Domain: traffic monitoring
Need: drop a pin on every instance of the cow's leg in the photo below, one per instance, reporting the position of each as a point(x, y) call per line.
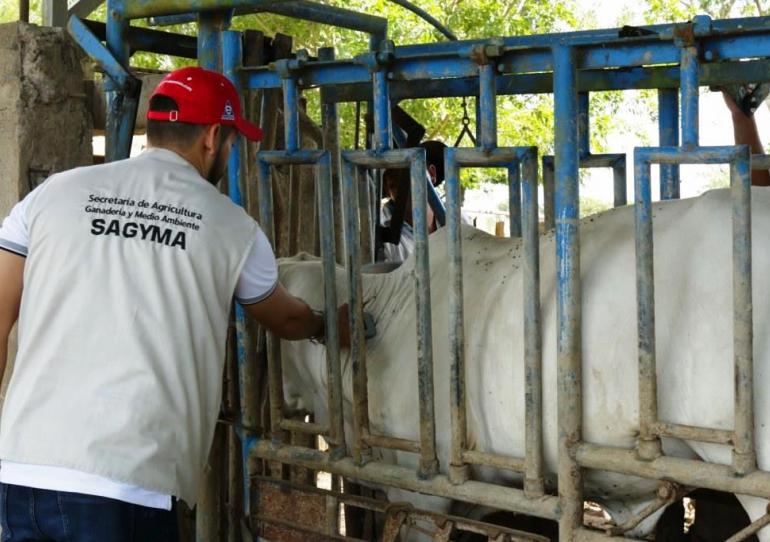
point(756, 508)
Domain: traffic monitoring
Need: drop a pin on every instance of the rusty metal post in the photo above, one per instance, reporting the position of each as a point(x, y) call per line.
point(744, 450)
point(533, 358)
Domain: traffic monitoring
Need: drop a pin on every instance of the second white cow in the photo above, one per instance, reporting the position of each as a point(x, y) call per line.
point(693, 294)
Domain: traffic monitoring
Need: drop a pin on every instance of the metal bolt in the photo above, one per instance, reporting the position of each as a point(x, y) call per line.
point(709, 55)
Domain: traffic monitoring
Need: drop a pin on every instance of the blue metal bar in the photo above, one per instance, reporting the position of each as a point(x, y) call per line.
point(458, 469)
point(744, 447)
point(121, 105)
point(291, 114)
point(514, 200)
point(435, 203)
point(487, 106)
point(689, 96)
point(534, 484)
point(699, 155)
point(648, 444)
point(137, 9)
point(381, 98)
point(210, 27)
point(568, 294)
point(232, 58)
point(350, 182)
point(668, 130)
point(428, 457)
point(120, 76)
point(584, 125)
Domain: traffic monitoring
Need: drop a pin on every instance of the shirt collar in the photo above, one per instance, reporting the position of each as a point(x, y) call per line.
point(167, 155)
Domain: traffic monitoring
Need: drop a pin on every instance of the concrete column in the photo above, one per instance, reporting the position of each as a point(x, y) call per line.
point(44, 121)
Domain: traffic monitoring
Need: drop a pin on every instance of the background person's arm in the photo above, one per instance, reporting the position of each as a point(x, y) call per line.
point(11, 280)
point(746, 133)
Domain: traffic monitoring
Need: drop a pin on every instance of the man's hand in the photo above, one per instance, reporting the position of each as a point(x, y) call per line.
point(746, 133)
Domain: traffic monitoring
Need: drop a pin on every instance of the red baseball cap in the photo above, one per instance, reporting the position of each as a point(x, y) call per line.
point(203, 97)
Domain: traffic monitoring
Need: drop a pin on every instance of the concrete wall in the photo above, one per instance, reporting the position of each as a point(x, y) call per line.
point(45, 125)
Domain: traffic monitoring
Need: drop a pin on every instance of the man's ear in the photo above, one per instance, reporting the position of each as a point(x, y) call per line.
point(210, 138)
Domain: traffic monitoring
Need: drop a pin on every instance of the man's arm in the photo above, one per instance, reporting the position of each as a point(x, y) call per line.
point(746, 133)
point(11, 280)
point(286, 316)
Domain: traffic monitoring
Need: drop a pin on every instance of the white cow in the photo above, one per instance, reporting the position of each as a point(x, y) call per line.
point(693, 287)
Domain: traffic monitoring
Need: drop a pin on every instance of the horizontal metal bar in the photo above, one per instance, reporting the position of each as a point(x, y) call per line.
point(136, 9)
point(500, 497)
point(760, 161)
point(392, 443)
point(601, 160)
point(291, 158)
point(676, 155)
point(154, 41)
point(496, 157)
point(691, 432)
point(689, 472)
point(308, 428)
point(717, 74)
point(398, 158)
point(474, 457)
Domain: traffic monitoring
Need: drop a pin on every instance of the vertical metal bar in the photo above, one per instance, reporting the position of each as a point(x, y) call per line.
point(333, 367)
point(668, 136)
point(619, 183)
point(689, 96)
point(648, 446)
point(584, 125)
point(330, 126)
point(290, 113)
point(381, 96)
point(119, 128)
point(458, 470)
point(514, 199)
point(428, 458)
point(533, 373)
point(275, 378)
point(549, 189)
point(568, 295)
point(361, 451)
point(488, 105)
point(232, 58)
point(744, 451)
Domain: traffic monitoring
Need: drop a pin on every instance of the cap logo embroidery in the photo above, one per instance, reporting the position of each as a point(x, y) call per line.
point(228, 113)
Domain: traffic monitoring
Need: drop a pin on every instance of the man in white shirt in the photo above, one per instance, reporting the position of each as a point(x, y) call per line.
point(121, 277)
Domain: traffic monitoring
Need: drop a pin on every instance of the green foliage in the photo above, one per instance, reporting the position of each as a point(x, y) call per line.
point(661, 11)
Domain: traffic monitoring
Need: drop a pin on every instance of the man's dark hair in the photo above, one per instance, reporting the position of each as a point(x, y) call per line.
point(434, 156)
point(164, 133)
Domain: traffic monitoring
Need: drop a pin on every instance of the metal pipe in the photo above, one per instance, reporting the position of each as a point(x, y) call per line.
point(24, 11)
point(297, 426)
point(121, 108)
point(689, 432)
point(137, 9)
point(688, 472)
point(381, 97)
point(568, 294)
point(428, 458)
point(210, 28)
point(424, 15)
point(648, 445)
point(329, 262)
point(291, 114)
point(475, 457)
point(434, 202)
point(232, 59)
point(619, 182)
point(533, 352)
point(584, 123)
point(487, 106)
point(689, 96)
point(458, 470)
point(143, 39)
point(514, 200)
point(392, 443)
point(668, 136)
point(485, 494)
point(361, 451)
point(549, 193)
point(744, 449)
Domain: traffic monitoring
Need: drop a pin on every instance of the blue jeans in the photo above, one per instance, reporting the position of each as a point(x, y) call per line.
point(31, 515)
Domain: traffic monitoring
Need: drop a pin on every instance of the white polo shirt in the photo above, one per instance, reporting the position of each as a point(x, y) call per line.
point(131, 267)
